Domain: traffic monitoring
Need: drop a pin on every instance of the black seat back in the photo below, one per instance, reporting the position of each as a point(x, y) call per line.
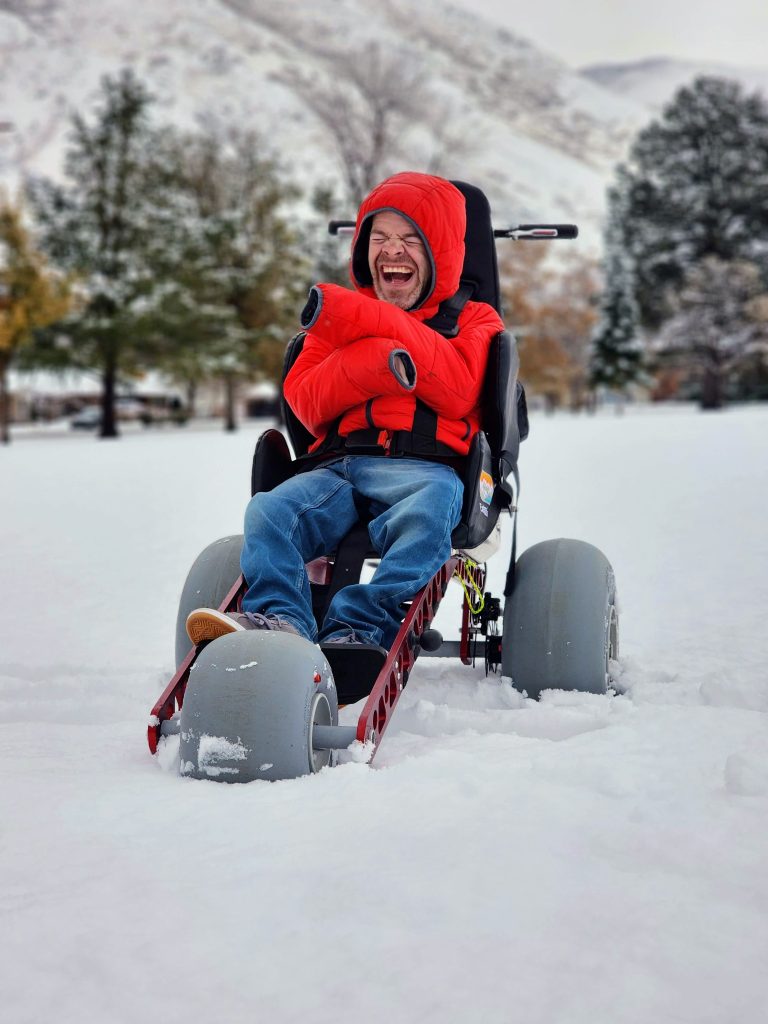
point(300, 437)
point(481, 268)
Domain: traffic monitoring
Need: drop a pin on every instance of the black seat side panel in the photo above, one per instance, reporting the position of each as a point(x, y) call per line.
point(301, 439)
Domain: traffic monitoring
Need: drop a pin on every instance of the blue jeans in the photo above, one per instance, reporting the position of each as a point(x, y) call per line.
point(414, 507)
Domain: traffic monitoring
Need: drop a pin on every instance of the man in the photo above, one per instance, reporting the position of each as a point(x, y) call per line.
point(393, 406)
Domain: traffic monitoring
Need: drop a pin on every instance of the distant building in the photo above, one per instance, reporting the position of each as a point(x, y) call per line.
point(41, 396)
point(262, 399)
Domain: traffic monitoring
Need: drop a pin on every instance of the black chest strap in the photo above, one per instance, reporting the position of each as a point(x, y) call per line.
point(421, 439)
point(446, 319)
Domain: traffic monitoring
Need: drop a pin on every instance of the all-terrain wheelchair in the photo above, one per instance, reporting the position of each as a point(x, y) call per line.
point(264, 705)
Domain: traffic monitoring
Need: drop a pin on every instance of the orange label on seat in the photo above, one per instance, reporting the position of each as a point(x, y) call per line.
point(486, 487)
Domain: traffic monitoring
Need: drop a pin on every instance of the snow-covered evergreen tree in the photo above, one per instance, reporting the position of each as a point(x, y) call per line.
point(224, 247)
point(181, 245)
point(96, 227)
point(695, 185)
point(717, 323)
point(616, 356)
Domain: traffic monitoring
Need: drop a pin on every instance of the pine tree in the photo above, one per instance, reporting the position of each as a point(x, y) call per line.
point(97, 225)
point(223, 246)
point(31, 297)
point(695, 186)
point(616, 356)
point(717, 323)
point(182, 245)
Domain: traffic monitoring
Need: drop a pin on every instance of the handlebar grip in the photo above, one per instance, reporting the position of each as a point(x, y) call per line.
point(563, 230)
point(338, 227)
point(538, 231)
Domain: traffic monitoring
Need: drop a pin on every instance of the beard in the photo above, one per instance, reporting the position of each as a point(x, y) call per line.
point(404, 294)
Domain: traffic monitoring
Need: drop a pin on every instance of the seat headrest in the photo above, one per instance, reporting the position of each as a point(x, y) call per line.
point(481, 268)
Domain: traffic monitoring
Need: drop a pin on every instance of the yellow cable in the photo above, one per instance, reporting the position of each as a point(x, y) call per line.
point(481, 604)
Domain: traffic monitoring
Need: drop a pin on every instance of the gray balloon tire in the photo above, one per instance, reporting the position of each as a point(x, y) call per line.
point(560, 622)
point(250, 707)
point(208, 582)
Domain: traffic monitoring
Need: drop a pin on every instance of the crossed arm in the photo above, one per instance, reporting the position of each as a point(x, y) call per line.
point(350, 355)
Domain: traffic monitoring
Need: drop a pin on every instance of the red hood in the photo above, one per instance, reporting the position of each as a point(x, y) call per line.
point(438, 210)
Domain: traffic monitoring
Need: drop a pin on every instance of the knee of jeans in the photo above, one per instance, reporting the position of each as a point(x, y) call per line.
point(261, 511)
point(408, 526)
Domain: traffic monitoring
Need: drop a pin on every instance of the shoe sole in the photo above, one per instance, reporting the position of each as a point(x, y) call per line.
point(209, 625)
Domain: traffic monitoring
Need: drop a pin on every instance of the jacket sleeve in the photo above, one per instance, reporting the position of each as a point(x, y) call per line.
point(326, 381)
point(449, 371)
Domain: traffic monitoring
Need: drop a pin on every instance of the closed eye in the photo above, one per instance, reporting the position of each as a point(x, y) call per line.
point(409, 241)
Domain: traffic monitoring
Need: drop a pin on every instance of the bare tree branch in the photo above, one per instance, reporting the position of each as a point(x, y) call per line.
point(32, 12)
point(371, 103)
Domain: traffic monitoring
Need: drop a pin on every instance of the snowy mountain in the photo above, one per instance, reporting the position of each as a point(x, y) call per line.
point(541, 138)
point(654, 81)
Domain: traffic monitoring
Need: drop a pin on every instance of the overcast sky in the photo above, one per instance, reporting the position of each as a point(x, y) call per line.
point(603, 31)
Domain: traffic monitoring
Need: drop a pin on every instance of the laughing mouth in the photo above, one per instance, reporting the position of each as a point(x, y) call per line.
point(396, 273)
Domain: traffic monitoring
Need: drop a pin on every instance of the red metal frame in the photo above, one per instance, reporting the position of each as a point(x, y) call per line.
point(377, 712)
point(172, 697)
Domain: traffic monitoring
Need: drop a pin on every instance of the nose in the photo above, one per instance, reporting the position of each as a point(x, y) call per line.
point(393, 245)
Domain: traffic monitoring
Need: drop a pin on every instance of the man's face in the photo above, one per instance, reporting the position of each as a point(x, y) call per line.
point(397, 260)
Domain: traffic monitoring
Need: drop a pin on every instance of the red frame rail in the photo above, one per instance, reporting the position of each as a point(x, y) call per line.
point(377, 712)
point(172, 698)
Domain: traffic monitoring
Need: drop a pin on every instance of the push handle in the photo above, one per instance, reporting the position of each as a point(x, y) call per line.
point(341, 227)
point(542, 232)
point(538, 231)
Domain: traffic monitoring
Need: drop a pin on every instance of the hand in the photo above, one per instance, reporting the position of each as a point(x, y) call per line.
point(403, 368)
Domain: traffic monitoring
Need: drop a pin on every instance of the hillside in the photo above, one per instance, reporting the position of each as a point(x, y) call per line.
point(541, 138)
point(653, 82)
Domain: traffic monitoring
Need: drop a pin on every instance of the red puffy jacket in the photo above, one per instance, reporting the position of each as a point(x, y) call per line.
point(344, 371)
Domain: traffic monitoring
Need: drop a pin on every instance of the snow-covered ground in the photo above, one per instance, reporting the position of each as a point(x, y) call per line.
point(581, 860)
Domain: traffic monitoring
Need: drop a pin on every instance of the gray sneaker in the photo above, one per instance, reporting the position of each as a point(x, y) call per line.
point(209, 623)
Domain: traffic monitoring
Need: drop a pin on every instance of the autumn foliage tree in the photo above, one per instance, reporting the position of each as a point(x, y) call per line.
point(551, 308)
point(32, 296)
